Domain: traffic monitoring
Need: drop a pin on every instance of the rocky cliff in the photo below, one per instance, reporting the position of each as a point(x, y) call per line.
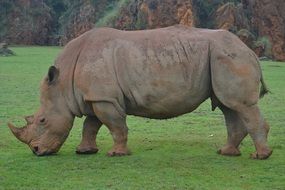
point(259, 23)
point(25, 22)
point(143, 14)
point(268, 19)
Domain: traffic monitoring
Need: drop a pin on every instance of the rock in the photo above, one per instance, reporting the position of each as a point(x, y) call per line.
point(264, 58)
point(225, 17)
point(39, 22)
point(236, 19)
point(3, 45)
point(268, 19)
point(262, 18)
point(82, 15)
point(80, 20)
point(4, 51)
point(231, 17)
point(143, 14)
point(28, 22)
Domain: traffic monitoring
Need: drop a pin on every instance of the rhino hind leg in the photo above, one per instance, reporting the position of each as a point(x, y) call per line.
point(258, 129)
point(91, 127)
point(236, 76)
point(247, 120)
point(236, 132)
point(116, 123)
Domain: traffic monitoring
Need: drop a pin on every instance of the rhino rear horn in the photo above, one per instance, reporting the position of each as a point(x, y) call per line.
point(18, 132)
point(29, 119)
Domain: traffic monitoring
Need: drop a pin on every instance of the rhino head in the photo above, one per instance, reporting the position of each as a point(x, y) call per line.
point(49, 127)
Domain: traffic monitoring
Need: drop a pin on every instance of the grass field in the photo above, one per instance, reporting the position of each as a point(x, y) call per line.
point(177, 153)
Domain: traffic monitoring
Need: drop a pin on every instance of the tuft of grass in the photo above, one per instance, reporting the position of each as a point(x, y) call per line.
point(177, 153)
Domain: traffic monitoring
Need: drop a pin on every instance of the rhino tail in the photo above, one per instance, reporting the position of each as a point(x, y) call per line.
point(263, 90)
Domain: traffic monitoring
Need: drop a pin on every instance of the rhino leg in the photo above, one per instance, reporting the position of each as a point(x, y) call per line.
point(116, 123)
point(236, 76)
point(91, 127)
point(236, 132)
point(258, 130)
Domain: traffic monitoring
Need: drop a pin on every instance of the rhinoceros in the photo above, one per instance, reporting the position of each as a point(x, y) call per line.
point(106, 74)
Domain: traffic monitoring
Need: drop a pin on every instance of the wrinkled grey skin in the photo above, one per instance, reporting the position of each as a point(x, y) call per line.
point(107, 74)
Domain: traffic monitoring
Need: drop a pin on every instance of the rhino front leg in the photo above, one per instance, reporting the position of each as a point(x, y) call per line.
point(236, 132)
point(91, 127)
point(116, 123)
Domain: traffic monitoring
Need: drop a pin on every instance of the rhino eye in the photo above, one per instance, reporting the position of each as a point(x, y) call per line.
point(42, 120)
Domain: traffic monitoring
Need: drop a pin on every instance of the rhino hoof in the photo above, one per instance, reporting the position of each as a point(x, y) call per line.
point(229, 151)
point(261, 156)
point(87, 151)
point(118, 153)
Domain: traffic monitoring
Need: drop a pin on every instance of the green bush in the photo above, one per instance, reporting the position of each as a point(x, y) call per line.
point(247, 34)
point(265, 43)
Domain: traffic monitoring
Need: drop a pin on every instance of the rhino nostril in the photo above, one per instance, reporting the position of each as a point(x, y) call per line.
point(36, 149)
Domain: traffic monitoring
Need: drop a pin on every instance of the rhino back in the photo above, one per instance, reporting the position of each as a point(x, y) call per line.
point(158, 73)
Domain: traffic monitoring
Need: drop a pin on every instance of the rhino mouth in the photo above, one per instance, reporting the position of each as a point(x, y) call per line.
point(37, 152)
point(48, 153)
point(43, 151)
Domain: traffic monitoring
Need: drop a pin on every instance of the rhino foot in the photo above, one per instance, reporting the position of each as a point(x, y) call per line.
point(113, 153)
point(229, 151)
point(89, 150)
point(262, 155)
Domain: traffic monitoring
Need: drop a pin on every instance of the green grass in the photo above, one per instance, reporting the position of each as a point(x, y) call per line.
point(177, 153)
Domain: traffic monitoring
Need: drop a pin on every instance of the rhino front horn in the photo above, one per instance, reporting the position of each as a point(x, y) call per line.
point(18, 132)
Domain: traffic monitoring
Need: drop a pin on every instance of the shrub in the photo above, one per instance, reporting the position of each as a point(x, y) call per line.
point(265, 43)
point(245, 32)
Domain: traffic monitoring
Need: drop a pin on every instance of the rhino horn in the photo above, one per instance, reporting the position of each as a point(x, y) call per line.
point(29, 119)
point(18, 132)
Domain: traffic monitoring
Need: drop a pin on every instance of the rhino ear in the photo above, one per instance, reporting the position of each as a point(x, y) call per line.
point(52, 74)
